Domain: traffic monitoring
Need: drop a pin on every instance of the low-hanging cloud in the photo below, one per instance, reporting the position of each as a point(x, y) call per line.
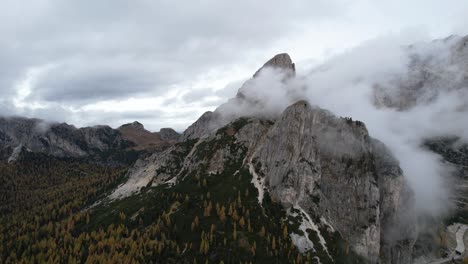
point(349, 84)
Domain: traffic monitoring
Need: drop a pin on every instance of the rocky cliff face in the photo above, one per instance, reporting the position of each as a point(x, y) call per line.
point(332, 169)
point(327, 167)
point(398, 223)
point(204, 125)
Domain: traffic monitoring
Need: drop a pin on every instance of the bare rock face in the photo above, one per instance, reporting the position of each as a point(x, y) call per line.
point(333, 169)
point(203, 126)
point(145, 140)
point(326, 166)
point(157, 168)
point(280, 61)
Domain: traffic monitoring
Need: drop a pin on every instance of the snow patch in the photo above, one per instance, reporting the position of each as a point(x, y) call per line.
point(460, 249)
point(172, 181)
point(310, 224)
point(325, 222)
point(258, 182)
point(15, 153)
point(303, 243)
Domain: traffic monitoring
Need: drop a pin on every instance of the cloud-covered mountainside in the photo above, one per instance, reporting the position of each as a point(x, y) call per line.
point(404, 94)
point(353, 161)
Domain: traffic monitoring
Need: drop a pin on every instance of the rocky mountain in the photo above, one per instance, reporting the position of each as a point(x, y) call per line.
point(327, 173)
point(244, 183)
point(169, 134)
point(143, 139)
point(64, 140)
point(58, 139)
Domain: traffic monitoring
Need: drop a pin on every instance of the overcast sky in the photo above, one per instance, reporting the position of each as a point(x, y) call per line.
point(164, 63)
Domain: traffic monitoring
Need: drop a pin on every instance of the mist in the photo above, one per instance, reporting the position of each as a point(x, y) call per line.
point(404, 88)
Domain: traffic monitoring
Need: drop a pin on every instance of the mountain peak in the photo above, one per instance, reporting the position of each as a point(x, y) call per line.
point(280, 61)
point(169, 134)
point(135, 125)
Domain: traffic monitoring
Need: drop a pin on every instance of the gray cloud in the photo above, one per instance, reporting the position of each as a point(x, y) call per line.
point(95, 51)
point(107, 48)
point(90, 80)
point(348, 85)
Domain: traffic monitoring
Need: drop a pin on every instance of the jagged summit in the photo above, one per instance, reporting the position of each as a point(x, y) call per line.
point(281, 61)
point(136, 125)
point(135, 132)
point(241, 104)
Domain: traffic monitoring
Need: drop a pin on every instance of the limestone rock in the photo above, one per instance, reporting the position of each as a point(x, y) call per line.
point(280, 61)
point(325, 165)
point(207, 123)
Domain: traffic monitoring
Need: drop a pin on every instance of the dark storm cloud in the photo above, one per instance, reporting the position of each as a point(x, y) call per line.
point(114, 49)
point(87, 52)
point(89, 80)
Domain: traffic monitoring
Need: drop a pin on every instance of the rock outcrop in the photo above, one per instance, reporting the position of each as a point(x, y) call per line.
point(280, 61)
point(169, 134)
point(145, 140)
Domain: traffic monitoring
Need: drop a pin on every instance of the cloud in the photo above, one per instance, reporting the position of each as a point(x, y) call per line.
point(347, 85)
point(90, 80)
point(112, 51)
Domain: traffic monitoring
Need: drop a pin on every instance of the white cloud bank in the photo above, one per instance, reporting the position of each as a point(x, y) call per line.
point(349, 84)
